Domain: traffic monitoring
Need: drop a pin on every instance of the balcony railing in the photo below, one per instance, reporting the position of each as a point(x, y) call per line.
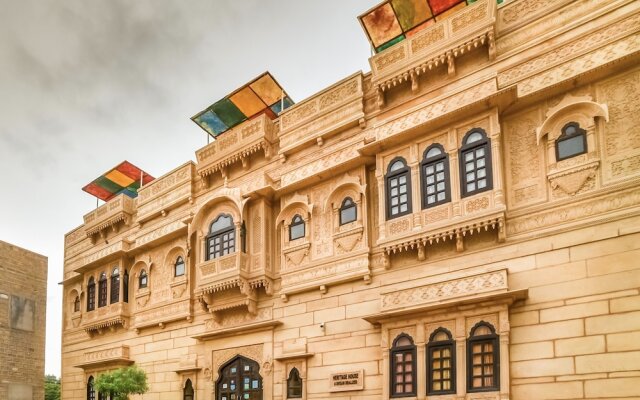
point(237, 144)
point(109, 215)
point(166, 193)
point(108, 317)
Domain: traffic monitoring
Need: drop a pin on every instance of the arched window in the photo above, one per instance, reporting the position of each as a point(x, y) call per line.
point(441, 363)
point(483, 359)
point(398, 185)
point(125, 286)
point(102, 290)
point(187, 392)
point(91, 391)
point(178, 267)
point(435, 176)
point(239, 379)
point(115, 285)
point(294, 385)
point(296, 229)
point(91, 295)
point(348, 211)
point(221, 239)
point(572, 142)
point(475, 163)
point(143, 280)
point(76, 304)
point(403, 367)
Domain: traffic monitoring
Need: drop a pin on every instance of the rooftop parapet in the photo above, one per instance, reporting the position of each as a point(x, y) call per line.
point(237, 144)
point(166, 193)
point(318, 117)
point(438, 44)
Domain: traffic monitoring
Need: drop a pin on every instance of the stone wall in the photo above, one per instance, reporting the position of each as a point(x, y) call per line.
point(23, 298)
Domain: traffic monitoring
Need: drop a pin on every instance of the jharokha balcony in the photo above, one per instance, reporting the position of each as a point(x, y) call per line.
point(110, 215)
point(107, 317)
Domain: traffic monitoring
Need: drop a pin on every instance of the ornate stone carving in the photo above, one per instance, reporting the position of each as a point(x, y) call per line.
point(573, 212)
point(574, 181)
point(439, 291)
point(578, 65)
point(568, 51)
point(476, 205)
point(347, 241)
point(221, 357)
point(238, 318)
point(399, 226)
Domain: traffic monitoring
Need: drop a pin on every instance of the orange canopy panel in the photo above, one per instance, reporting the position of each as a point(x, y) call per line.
point(124, 178)
point(263, 95)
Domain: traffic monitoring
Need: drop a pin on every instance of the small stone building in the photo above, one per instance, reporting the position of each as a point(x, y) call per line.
point(460, 223)
point(23, 302)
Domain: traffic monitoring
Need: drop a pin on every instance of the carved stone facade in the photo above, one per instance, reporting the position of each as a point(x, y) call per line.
point(534, 248)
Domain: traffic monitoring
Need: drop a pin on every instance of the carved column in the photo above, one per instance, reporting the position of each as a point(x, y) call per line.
point(496, 164)
point(505, 328)
point(455, 183)
point(386, 373)
point(382, 204)
point(416, 205)
point(461, 358)
point(421, 365)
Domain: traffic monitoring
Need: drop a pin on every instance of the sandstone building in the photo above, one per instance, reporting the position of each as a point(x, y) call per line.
point(462, 222)
point(23, 302)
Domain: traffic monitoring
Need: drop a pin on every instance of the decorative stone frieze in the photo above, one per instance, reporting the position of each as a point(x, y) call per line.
point(161, 315)
point(106, 253)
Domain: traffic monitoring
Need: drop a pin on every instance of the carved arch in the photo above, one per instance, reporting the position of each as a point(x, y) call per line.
point(227, 200)
point(298, 204)
point(348, 186)
point(570, 108)
point(173, 254)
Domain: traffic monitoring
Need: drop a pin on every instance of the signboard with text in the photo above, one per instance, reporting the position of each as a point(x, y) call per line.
point(344, 381)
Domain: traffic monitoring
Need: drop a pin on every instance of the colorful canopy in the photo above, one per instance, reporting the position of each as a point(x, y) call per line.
point(262, 95)
point(392, 21)
point(124, 178)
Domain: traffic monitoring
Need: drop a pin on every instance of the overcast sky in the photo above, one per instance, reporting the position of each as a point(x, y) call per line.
point(86, 84)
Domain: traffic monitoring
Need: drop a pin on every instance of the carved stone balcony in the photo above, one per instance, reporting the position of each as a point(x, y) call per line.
point(109, 215)
point(166, 193)
point(436, 45)
point(106, 253)
point(108, 317)
point(313, 120)
point(237, 144)
point(111, 357)
point(230, 282)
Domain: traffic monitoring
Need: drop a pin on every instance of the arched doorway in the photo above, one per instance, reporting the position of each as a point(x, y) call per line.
point(239, 379)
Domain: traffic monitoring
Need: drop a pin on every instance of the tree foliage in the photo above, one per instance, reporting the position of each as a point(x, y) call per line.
point(122, 382)
point(51, 387)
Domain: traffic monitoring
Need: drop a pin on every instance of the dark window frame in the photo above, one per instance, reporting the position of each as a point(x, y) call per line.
point(433, 161)
point(188, 392)
point(493, 339)
point(145, 276)
point(114, 295)
point(225, 373)
point(210, 239)
point(76, 304)
point(564, 136)
point(390, 175)
point(91, 294)
point(434, 345)
point(125, 286)
point(408, 349)
point(102, 290)
point(295, 221)
point(179, 261)
point(294, 383)
point(344, 206)
point(91, 391)
point(472, 147)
